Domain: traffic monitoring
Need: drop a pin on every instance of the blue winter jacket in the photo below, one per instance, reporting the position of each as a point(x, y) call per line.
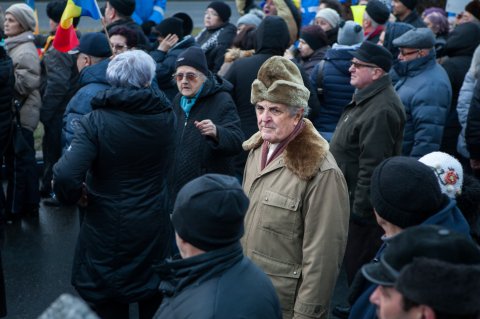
point(337, 91)
point(92, 80)
point(449, 217)
point(149, 10)
point(425, 91)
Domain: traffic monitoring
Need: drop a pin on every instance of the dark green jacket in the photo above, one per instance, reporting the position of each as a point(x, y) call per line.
point(369, 131)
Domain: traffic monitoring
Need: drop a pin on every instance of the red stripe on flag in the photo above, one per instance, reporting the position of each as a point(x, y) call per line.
point(65, 39)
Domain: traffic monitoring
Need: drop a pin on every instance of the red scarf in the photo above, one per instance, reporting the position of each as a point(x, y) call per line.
point(281, 146)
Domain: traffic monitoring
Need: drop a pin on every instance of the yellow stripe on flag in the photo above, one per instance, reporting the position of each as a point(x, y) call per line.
point(71, 11)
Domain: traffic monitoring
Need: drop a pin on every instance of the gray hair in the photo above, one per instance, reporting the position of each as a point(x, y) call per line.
point(133, 68)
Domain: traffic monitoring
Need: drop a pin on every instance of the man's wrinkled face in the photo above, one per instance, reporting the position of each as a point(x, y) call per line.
point(275, 122)
point(361, 74)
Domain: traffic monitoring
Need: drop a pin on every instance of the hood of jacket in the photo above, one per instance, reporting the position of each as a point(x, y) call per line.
point(130, 100)
point(414, 67)
point(450, 217)
point(96, 73)
point(271, 36)
point(303, 155)
point(186, 42)
point(392, 31)
point(463, 40)
point(180, 273)
point(214, 84)
point(12, 42)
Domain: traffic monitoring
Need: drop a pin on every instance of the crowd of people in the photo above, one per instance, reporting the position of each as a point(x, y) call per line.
point(237, 170)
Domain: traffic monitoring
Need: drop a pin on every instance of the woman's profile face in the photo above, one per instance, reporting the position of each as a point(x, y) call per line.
point(211, 19)
point(12, 26)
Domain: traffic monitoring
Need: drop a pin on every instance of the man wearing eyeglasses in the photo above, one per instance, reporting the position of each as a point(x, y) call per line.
point(425, 90)
point(369, 131)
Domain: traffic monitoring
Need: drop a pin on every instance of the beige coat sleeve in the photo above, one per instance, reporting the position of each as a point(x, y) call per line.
point(326, 215)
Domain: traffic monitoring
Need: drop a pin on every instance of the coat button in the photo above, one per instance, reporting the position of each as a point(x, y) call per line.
point(292, 206)
point(294, 272)
point(266, 199)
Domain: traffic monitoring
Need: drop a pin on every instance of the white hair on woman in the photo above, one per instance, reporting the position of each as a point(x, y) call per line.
point(133, 68)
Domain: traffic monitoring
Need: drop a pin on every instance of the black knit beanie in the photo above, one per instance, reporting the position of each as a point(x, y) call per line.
point(187, 22)
point(410, 4)
point(124, 7)
point(170, 26)
point(377, 11)
point(209, 211)
point(405, 192)
point(473, 7)
point(194, 57)
point(223, 10)
point(55, 10)
point(314, 36)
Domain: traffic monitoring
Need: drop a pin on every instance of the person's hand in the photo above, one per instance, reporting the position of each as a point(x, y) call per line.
point(83, 201)
point(207, 128)
point(167, 43)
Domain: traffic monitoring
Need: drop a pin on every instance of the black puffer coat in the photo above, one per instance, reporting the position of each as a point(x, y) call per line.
point(195, 154)
point(122, 147)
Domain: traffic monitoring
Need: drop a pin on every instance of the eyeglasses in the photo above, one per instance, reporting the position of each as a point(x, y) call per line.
point(119, 47)
point(358, 65)
point(190, 76)
point(404, 53)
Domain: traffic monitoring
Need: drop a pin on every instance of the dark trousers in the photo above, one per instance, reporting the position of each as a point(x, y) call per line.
point(363, 242)
point(52, 149)
point(116, 310)
point(22, 176)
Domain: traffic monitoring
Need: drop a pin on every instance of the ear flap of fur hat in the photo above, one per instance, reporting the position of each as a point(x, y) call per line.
point(279, 81)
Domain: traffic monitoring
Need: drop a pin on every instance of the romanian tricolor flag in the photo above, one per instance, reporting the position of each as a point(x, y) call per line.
point(66, 37)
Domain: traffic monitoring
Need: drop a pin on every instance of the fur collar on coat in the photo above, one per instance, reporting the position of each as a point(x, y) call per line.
point(304, 155)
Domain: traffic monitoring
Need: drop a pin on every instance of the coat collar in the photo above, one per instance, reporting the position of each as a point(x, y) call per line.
point(304, 154)
point(372, 89)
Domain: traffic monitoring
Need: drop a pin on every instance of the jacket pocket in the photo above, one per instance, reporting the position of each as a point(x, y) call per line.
point(285, 278)
point(279, 213)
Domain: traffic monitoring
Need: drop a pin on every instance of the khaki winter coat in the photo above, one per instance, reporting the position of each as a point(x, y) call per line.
point(26, 64)
point(296, 225)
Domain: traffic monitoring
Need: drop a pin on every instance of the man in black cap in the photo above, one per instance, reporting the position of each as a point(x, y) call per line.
point(404, 11)
point(425, 90)
point(59, 75)
point(92, 61)
point(369, 131)
point(119, 13)
point(213, 279)
point(427, 272)
point(374, 19)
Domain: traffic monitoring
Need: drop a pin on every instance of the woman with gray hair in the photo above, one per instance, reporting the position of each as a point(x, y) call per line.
point(122, 152)
point(23, 196)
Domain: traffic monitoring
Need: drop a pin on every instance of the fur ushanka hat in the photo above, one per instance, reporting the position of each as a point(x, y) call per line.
point(280, 81)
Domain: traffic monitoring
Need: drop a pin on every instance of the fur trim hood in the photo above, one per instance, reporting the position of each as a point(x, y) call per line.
point(234, 54)
point(304, 155)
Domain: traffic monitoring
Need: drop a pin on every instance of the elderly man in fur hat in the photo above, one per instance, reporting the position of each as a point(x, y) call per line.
point(297, 221)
